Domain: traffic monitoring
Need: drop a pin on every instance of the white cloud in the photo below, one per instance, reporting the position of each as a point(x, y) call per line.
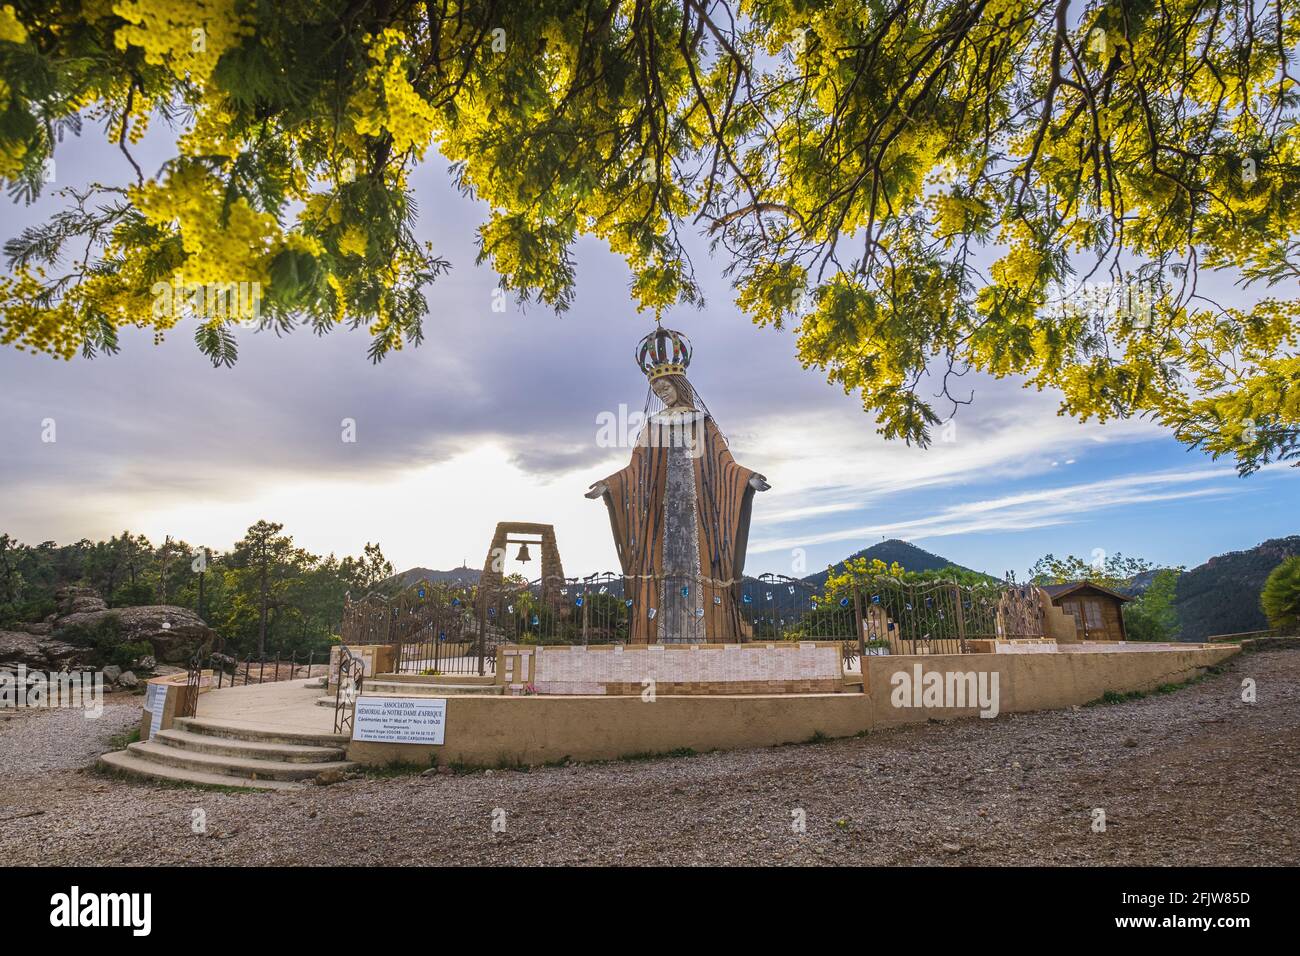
point(1032, 509)
point(833, 462)
point(435, 516)
point(826, 465)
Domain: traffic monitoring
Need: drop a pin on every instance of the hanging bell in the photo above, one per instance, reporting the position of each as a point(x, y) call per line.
point(523, 554)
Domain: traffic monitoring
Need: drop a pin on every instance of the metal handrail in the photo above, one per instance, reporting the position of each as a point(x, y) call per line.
point(352, 674)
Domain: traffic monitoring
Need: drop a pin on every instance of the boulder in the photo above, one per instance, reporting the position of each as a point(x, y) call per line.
point(128, 679)
point(19, 647)
point(69, 636)
point(327, 777)
point(74, 600)
point(112, 672)
point(41, 653)
point(173, 632)
point(59, 653)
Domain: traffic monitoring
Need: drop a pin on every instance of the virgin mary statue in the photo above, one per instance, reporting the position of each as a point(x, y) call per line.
point(680, 511)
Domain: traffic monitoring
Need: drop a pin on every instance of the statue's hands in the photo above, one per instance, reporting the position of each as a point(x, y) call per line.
point(759, 482)
point(598, 490)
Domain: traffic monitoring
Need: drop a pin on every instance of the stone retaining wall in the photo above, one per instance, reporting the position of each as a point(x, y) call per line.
point(503, 731)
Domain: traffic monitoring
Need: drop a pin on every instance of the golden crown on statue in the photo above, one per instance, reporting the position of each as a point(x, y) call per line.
point(663, 352)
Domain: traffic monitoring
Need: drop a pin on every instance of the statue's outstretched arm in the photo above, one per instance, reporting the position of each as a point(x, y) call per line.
point(756, 481)
point(598, 490)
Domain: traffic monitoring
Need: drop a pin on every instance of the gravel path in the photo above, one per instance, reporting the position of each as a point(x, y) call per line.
point(32, 741)
point(1192, 777)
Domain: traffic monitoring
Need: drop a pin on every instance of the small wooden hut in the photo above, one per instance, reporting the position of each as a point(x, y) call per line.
point(1097, 610)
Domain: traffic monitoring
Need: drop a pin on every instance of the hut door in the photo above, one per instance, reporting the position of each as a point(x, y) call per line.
point(1096, 626)
point(1072, 608)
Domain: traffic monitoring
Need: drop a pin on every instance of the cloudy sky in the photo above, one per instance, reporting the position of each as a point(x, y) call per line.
point(495, 418)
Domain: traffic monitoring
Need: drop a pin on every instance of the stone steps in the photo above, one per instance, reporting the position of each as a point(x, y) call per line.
point(124, 762)
point(253, 768)
point(246, 749)
point(393, 688)
point(213, 753)
point(457, 679)
point(217, 728)
point(422, 685)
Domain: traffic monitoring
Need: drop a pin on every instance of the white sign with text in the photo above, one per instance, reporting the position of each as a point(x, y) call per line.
point(400, 720)
point(157, 700)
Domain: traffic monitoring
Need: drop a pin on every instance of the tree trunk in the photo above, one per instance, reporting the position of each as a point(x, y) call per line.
point(261, 626)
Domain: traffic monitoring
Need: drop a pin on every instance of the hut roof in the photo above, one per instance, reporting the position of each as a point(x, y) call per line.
point(1055, 591)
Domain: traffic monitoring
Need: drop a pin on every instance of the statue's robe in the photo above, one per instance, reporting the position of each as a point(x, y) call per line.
point(680, 516)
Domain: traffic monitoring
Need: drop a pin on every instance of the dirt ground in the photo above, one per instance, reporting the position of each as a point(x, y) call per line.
point(1192, 777)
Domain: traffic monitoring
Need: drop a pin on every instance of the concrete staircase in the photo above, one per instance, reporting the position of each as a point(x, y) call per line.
point(445, 685)
point(421, 685)
point(210, 753)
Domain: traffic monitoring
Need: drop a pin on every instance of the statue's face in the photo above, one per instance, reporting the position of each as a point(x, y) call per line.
point(666, 391)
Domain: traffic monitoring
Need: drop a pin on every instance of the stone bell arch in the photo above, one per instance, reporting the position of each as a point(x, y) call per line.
point(524, 533)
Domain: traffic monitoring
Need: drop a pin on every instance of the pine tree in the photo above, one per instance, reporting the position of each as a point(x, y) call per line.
point(265, 554)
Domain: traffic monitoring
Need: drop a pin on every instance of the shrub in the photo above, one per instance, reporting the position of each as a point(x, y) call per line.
point(1152, 616)
point(133, 594)
point(1280, 597)
point(126, 655)
point(104, 635)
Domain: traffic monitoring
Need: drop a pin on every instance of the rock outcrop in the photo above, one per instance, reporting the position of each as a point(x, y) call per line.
point(173, 632)
point(74, 600)
point(69, 636)
point(41, 653)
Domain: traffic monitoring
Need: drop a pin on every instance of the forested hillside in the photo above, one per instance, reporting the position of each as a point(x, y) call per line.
point(1221, 596)
point(264, 593)
point(895, 551)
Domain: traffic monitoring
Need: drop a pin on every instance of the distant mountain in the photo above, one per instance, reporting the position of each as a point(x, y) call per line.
point(460, 575)
point(1221, 596)
point(1139, 583)
point(894, 550)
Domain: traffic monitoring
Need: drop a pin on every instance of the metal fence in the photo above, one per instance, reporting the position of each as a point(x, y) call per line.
point(942, 618)
point(436, 629)
point(229, 671)
point(232, 672)
point(454, 629)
